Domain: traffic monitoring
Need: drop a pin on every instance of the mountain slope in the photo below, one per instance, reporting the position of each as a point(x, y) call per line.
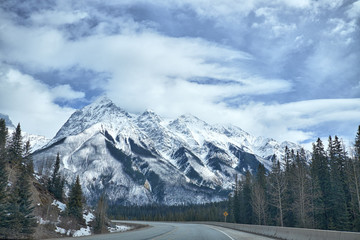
point(143, 159)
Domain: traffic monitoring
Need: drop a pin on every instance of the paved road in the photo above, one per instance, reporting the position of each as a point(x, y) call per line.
point(178, 231)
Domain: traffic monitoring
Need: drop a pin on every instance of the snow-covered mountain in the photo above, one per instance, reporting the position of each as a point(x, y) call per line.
point(36, 141)
point(143, 159)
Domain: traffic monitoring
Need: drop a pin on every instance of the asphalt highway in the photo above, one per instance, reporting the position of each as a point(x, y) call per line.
point(177, 231)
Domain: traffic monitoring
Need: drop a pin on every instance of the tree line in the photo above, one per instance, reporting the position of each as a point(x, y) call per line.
point(17, 220)
point(16, 211)
point(322, 194)
point(194, 212)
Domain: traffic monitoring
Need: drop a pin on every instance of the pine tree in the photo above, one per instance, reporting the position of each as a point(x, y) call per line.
point(338, 199)
point(302, 191)
point(258, 196)
point(248, 212)
point(56, 183)
point(16, 147)
point(320, 174)
point(353, 171)
point(3, 137)
point(100, 215)
point(236, 201)
point(318, 217)
point(289, 198)
point(27, 159)
point(74, 205)
point(3, 178)
point(21, 222)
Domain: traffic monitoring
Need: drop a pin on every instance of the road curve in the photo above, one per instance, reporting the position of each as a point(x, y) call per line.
point(177, 231)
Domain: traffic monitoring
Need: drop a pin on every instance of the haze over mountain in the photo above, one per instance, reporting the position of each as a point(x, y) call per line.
point(143, 159)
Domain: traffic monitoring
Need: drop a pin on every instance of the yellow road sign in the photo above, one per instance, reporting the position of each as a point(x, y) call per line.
point(225, 214)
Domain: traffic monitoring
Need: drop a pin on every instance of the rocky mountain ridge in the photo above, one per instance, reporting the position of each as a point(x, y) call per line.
point(145, 159)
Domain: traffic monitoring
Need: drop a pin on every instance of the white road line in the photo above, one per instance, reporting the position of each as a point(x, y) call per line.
point(223, 233)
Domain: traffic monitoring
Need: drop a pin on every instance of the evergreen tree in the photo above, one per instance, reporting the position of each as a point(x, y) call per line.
point(289, 179)
point(3, 137)
point(236, 201)
point(27, 159)
point(21, 222)
point(258, 196)
point(229, 208)
point(353, 171)
point(3, 178)
point(75, 205)
point(16, 147)
point(338, 199)
point(320, 186)
point(318, 217)
point(56, 183)
point(302, 191)
point(248, 212)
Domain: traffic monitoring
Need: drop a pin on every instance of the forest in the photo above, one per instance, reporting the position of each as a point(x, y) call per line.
point(17, 178)
point(321, 192)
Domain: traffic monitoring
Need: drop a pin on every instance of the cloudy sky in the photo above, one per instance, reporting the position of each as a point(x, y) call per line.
point(286, 69)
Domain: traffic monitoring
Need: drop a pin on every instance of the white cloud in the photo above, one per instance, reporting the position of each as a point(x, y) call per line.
point(354, 10)
point(296, 3)
point(148, 69)
point(289, 121)
point(38, 47)
point(30, 102)
point(272, 22)
point(65, 92)
point(341, 27)
point(56, 18)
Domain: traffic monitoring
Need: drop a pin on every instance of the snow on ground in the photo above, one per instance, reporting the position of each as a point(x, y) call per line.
point(40, 220)
point(60, 230)
point(82, 232)
point(119, 228)
point(88, 216)
point(60, 205)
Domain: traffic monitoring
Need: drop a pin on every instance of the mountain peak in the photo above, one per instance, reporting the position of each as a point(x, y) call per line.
point(103, 100)
point(149, 112)
point(100, 102)
point(190, 118)
point(102, 110)
point(8, 122)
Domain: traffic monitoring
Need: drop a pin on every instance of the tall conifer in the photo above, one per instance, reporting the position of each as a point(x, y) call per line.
point(21, 221)
point(3, 178)
point(339, 188)
point(56, 182)
point(75, 205)
point(16, 147)
point(302, 191)
point(248, 212)
point(320, 185)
